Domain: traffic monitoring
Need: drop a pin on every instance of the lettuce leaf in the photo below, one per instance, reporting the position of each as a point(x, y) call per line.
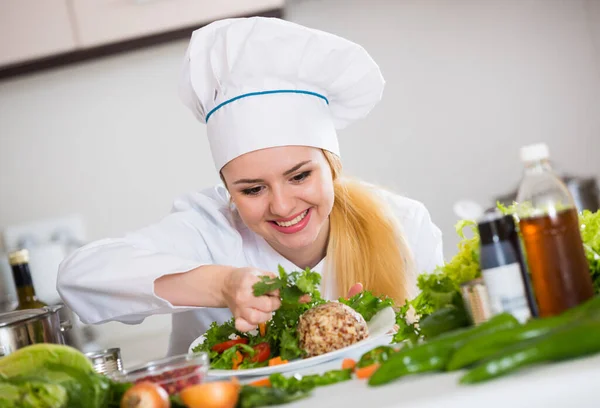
point(442, 287)
point(589, 224)
point(367, 304)
point(61, 368)
point(34, 394)
point(217, 333)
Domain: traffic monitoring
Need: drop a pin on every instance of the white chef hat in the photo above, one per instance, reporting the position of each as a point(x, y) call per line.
point(264, 82)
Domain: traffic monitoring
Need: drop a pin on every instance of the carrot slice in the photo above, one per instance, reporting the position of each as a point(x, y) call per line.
point(348, 364)
point(366, 372)
point(263, 382)
point(262, 329)
point(277, 361)
point(237, 360)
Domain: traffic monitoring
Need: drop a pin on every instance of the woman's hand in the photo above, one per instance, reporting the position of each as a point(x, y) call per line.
point(248, 310)
point(354, 290)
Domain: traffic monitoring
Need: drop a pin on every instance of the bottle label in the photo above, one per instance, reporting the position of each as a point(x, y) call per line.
point(507, 291)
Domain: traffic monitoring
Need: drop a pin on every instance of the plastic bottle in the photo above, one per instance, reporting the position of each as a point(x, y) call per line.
point(549, 226)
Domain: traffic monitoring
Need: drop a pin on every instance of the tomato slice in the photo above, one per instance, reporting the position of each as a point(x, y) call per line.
point(262, 353)
point(221, 347)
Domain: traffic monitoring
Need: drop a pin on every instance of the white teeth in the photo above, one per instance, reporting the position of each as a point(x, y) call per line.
point(294, 221)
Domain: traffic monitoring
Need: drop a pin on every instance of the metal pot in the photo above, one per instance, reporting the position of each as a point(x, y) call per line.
point(23, 328)
point(585, 193)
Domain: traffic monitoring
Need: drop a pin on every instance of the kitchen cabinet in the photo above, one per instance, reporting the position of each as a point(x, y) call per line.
point(105, 21)
point(33, 29)
point(42, 34)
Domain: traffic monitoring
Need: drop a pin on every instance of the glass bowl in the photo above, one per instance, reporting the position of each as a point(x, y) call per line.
point(172, 373)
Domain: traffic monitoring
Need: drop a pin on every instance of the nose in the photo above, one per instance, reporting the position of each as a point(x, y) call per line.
point(282, 203)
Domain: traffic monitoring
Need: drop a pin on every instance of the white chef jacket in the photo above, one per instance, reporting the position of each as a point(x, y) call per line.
point(113, 279)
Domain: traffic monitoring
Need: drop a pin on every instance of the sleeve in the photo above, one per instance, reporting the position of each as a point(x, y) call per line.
point(423, 236)
point(113, 279)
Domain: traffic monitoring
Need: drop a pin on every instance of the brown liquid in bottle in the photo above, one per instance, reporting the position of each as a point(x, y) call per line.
point(556, 259)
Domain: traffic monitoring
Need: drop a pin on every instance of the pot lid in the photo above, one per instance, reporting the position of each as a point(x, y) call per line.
point(19, 316)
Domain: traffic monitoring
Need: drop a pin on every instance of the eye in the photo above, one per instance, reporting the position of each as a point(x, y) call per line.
point(252, 191)
point(302, 176)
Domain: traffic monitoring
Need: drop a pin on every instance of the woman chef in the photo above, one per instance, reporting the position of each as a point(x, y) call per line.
point(272, 94)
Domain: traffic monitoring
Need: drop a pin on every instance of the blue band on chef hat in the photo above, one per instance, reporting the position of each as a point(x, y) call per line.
point(219, 106)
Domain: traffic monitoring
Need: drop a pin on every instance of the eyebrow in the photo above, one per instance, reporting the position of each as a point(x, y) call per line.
point(285, 173)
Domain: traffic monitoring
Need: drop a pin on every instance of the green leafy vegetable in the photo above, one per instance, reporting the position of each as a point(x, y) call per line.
point(408, 331)
point(589, 224)
point(367, 304)
point(441, 288)
point(282, 329)
point(253, 397)
point(267, 285)
point(31, 358)
point(32, 394)
point(308, 382)
point(224, 361)
point(52, 375)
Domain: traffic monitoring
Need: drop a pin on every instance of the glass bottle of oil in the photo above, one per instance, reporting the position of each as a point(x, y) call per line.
point(19, 262)
point(549, 225)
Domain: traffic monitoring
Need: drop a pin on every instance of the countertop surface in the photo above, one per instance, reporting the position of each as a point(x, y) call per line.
point(574, 383)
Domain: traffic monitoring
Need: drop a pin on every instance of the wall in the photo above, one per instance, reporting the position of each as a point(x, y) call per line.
point(468, 83)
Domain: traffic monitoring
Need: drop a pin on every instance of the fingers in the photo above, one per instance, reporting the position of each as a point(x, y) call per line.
point(249, 310)
point(304, 299)
point(266, 304)
point(355, 289)
point(242, 325)
point(254, 317)
point(259, 273)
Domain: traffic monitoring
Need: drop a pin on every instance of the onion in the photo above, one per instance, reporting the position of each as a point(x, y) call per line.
point(146, 395)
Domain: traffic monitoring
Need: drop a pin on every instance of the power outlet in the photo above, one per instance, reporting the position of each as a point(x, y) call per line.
point(68, 230)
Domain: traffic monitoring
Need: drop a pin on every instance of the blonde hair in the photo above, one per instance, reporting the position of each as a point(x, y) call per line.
point(366, 244)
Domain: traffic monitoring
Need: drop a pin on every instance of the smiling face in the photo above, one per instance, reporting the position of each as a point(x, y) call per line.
point(285, 195)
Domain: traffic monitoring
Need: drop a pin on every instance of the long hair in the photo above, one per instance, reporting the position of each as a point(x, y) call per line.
point(366, 244)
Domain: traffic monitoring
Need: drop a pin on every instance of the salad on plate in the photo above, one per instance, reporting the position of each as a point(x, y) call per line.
point(305, 326)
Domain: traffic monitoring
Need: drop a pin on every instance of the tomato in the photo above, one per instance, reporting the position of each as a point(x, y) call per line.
point(145, 395)
point(262, 353)
point(221, 347)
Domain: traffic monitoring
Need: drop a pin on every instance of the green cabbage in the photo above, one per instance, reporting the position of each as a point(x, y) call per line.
point(32, 395)
point(52, 375)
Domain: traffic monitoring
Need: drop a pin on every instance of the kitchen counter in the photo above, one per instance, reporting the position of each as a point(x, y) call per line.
point(573, 383)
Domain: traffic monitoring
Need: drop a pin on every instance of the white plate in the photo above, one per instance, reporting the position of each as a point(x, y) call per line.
point(380, 325)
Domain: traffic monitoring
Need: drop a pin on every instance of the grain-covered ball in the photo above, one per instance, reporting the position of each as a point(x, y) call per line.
point(330, 326)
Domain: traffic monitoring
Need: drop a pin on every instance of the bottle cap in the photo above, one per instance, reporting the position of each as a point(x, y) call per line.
point(494, 227)
point(534, 152)
point(18, 257)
